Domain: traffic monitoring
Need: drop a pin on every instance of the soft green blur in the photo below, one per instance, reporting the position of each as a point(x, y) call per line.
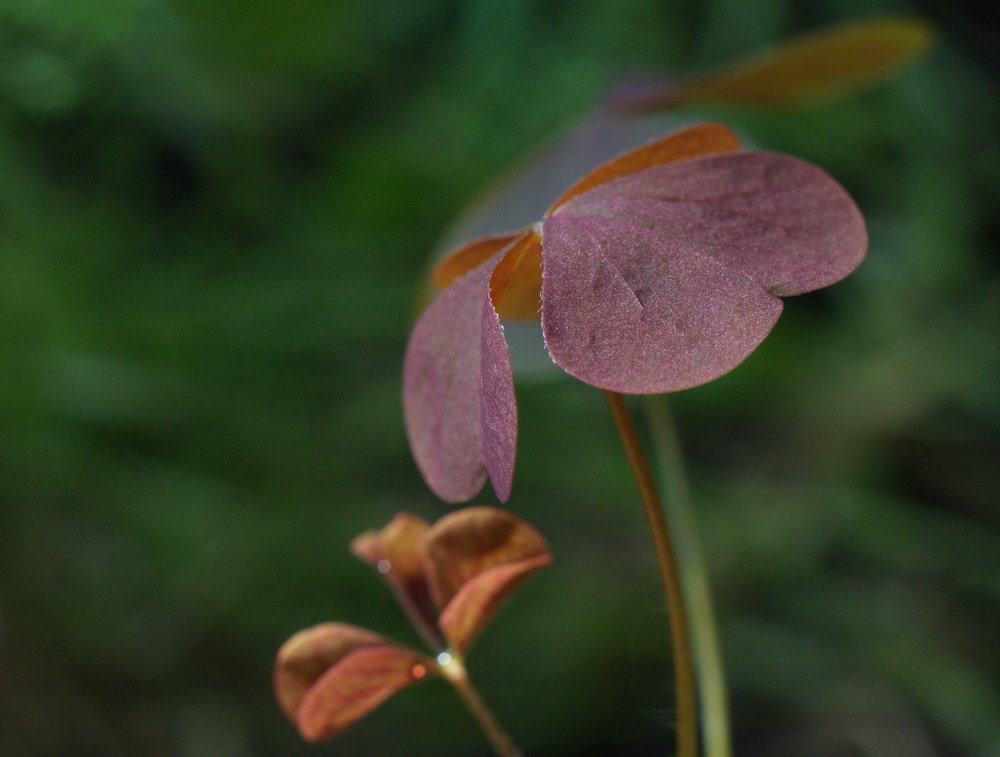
point(213, 220)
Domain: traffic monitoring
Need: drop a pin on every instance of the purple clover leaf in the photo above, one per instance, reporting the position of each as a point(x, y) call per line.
point(656, 272)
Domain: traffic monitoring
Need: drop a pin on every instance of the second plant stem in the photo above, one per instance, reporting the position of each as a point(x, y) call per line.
point(453, 670)
point(684, 678)
point(709, 666)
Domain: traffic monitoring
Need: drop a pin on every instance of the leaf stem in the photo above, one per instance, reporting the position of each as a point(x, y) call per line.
point(709, 666)
point(684, 680)
point(428, 632)
point(453, 669)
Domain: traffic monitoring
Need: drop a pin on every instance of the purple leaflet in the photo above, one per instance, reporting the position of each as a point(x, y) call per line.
point(781, 220)
point(627, 310)
point(497, 406)
point(458, 392)
point(658, 281)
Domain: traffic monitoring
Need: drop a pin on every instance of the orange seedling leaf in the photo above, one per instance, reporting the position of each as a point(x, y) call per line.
point(355, 686)
point(328, 677)
point(479, 599)
point(470, 542)
point(815, 65)
point(470, 256)
point(310, 653)
point(693, 142)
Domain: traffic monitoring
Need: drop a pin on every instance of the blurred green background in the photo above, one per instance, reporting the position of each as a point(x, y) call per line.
point(213, 218)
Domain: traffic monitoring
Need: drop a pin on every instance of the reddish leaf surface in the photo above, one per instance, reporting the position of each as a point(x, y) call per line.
point(497, 405)
point(665, 279)
point(780, 220)
point(626, 310)
point(480, 598)
point(310, 653)
point(693, 142)
point(355, 686)
point(456, 339)
point(397, 553)
point(469, 542)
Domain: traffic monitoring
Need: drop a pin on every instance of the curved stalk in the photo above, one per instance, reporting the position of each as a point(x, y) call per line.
point(709, 667)
point(684, 680)
point(452, 667)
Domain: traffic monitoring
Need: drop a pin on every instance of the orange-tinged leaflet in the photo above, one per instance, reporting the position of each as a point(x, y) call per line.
point(814, 65)
point(470, 256)
point(516, 284)
point(517, 281)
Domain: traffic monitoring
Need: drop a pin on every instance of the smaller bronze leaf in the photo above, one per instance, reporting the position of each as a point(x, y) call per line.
point(479, 599)
point(309, 654)
point(469, 542)
point(694, 142)
point(355, 686)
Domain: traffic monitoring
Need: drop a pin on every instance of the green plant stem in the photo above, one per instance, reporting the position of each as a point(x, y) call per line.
point(684, 679)
point(709, 667)
point(455, 673)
